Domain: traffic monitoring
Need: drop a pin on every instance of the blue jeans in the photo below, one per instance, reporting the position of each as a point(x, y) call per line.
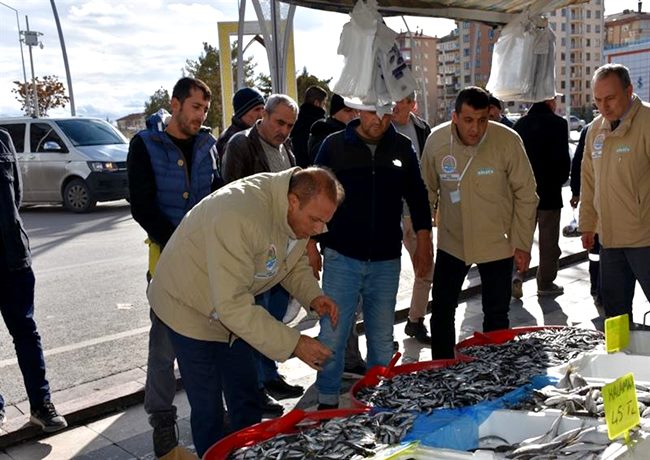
point(346, 280)
point(17, 308)
point(275, 300)
point(620, 268)
point(210, 369)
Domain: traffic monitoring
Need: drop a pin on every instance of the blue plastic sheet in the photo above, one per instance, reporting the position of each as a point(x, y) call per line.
point(458, 428)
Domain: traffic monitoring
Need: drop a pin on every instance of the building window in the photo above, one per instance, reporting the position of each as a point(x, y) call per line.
point(562, 84)
point(588, 14)
point(467, 66)
point(466, 38)
point(467, 79)
point(588, 28)
point(587, 84)
point(562, 56)
point(563, 41)
point(465, 25)
point(588, 56)
point(564, 12)
point(466, 52)
point(553, 25)
point(588, 42)
point(597, 27)
point(598, 14)
point(563, 71)
point(563, 27)
point(553, 13)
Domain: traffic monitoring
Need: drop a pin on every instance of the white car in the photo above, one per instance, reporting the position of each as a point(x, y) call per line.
point(576, 124)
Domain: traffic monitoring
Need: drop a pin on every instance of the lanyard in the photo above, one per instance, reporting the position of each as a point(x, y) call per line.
point(471, 158)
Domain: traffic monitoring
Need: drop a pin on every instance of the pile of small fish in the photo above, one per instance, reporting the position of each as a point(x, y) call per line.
point(551, 346)
point(459, 385)
point(354, 437)
point(497, 370)
point(574, 395)
point(577, 443)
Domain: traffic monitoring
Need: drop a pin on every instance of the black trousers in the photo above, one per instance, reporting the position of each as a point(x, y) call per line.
point(448, 277)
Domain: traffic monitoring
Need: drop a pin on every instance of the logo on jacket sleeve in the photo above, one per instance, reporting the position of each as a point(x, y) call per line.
point(597, 146)
point(270, 264)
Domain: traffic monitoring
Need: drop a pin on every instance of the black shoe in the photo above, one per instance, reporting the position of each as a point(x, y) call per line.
point(355, 372)
point(280, 389)
point(165, 432)
point(270, 407)
point(323, 406)
point(48, 418)
point(417, 330)
point(3, 417)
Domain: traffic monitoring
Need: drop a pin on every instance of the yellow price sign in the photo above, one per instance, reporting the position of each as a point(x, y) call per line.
point(621, 406)
point(617, 333)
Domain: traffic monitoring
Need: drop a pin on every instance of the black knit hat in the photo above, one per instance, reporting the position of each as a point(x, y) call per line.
point(336, 104)
point(245, 99)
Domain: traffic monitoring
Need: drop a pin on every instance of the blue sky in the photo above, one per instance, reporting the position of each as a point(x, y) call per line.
point(121, 51)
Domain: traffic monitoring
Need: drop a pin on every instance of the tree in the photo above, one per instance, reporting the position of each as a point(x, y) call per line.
point(50, 91)
point(207, 68)
point(305, 80)
point(264, 84)
point(158, 100)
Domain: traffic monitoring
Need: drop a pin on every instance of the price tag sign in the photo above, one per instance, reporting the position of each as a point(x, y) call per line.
point(621, 406)
point(617, 333)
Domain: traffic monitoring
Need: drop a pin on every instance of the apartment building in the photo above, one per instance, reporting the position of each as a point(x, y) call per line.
point(580, 37)
point(420, 53)
point(628, 43)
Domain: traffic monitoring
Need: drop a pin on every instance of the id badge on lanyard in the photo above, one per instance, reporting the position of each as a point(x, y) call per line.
point(454, 195)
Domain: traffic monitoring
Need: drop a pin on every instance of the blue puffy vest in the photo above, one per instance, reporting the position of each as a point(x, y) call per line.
point(176, 194)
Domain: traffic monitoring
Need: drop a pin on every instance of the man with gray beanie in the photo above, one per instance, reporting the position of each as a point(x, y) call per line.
point(248, 104)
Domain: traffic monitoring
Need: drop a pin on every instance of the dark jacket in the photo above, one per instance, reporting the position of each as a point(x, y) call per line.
point(576, 163)
point(422, 130)
point(307, 116)
point(14, 244)
point(546, 139)
point(319, 131)
point(245, 155)
point(367, 225)
point(236, 126)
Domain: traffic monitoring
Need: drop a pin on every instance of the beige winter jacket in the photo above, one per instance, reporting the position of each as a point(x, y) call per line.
point(615, 177)
point(228, 248)
point(496, 211)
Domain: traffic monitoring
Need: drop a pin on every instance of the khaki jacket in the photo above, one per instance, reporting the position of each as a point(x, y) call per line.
point(615, 177)
point(229, 248)
point(498, 204)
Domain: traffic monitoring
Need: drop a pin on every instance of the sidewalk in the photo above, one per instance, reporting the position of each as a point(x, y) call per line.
point(107, 417)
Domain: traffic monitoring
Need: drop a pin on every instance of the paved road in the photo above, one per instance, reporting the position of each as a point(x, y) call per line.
point(91, 307)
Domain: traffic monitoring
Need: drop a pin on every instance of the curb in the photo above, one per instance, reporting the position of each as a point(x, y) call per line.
point(86, 409)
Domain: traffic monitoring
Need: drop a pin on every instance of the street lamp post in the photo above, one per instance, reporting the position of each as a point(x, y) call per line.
point(31, 39)
point(22, 56)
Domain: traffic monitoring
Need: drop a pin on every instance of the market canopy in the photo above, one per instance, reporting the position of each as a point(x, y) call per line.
point(488, 11)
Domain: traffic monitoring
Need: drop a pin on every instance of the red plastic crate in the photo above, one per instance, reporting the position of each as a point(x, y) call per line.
point(270, 428)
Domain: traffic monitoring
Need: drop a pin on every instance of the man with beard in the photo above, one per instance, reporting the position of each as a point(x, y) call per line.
point(169, 171)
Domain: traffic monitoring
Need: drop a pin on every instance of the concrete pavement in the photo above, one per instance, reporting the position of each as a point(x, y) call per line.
point(107, 418)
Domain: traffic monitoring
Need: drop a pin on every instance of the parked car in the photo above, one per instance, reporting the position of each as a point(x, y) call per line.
point(576, 124)
point(76, 161)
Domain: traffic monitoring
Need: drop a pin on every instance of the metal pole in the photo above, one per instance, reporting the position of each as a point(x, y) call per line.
point(567, 76)
point(278, 81)
point(240, 45)
point(22, 56)
point(31, 62)
point(73, 111)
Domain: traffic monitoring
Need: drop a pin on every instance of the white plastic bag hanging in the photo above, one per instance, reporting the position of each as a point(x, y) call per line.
point(356, 45)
